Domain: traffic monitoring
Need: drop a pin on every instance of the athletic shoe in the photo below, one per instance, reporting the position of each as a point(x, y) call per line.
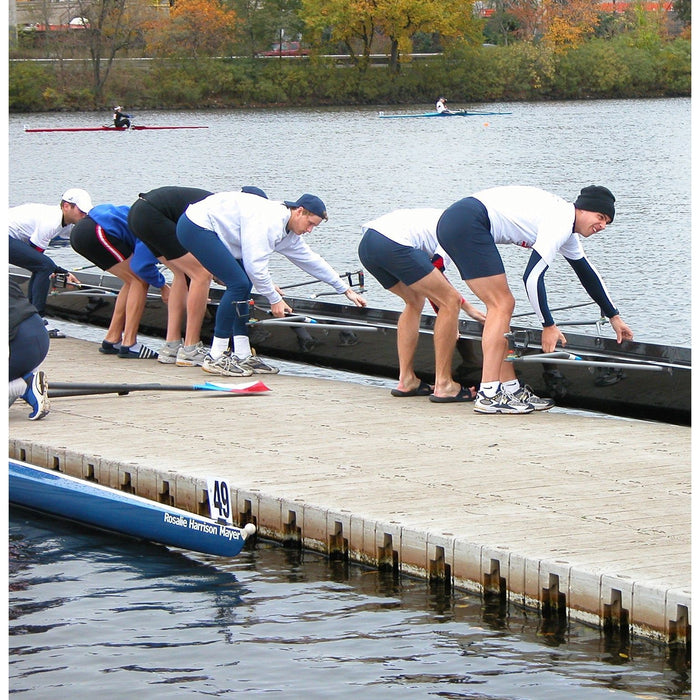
point(55, 333)
point(37, 395)
point(502, 402)
point(526, 395)
point(109, 348)
point(258, 365)
point(192, 358)
point(227, 365)
point(167, 354)
point(143, 353)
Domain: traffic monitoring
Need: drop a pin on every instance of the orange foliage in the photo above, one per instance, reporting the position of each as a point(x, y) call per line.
point(196, 27)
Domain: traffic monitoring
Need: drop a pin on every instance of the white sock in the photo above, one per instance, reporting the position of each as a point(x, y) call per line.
point(17, 388)
point(241, 346)
point(489, 389)
point(218, 347)
point(511, 386)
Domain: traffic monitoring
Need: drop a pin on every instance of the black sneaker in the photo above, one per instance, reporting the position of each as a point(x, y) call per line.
point(143, 353)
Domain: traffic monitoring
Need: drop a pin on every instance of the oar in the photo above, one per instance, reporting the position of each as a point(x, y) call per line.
point(61, 389)
point(360, 280)
point(305, 321)
point(561, 308)
point(567, 358)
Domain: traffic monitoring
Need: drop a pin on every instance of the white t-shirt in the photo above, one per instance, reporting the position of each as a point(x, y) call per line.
point(532, 218)
point(37, 224)
point(415, 228)
point(252, 228)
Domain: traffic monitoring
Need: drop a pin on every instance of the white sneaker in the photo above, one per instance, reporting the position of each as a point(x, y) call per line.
point(192, 358)
point(37, 395)
point(227, 366)
point(257, 365)
point(168, 352)
point(526, 395)
point(502, 402)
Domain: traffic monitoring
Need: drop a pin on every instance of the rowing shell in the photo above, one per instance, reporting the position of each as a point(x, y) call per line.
point(111, 128)
point(54, 493)
point(459, 113)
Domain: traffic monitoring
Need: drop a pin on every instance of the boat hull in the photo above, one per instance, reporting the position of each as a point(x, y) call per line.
point(654, 381)
point(138, 127)
point(53, 493)
point(424, 115)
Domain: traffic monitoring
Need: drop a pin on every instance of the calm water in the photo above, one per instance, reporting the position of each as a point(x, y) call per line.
point(92, 615)
point(363, 166)
point(121, 618)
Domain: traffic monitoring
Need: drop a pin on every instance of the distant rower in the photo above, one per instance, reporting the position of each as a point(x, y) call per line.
point(120, 119)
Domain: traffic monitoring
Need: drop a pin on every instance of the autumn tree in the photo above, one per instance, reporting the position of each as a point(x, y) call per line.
point(352, 22)
point(195, 28)
point(566, 23)
point(111, 27)
point(358, 23)
point(401, 20)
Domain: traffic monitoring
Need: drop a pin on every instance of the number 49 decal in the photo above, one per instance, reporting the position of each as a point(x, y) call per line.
point(219, 501)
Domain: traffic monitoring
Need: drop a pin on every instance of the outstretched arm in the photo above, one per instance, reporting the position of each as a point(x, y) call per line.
point(593, 283)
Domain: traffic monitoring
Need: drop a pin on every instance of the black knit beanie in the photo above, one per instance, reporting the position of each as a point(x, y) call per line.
point(596, 198)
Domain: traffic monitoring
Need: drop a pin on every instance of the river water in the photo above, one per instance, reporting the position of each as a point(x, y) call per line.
point(94, 614)
point(363, 166)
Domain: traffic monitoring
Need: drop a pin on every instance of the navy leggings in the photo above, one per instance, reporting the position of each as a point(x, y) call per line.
point(29, 347)
point(41, 266)
point(233, 312)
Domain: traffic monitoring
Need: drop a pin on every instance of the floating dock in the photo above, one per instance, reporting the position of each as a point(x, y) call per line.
point(575, 515)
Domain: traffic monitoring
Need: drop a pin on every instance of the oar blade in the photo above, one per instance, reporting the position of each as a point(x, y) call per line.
point(245, 388)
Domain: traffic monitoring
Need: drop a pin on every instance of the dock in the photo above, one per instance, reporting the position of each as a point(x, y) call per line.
point(577, 516)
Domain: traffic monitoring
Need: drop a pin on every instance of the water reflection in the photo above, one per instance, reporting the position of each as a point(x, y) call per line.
point(113, 613)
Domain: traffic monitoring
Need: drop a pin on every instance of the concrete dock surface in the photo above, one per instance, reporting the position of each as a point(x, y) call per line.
point(568, 513)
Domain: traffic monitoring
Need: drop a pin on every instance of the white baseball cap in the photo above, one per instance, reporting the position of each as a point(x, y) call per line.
point(80, 198)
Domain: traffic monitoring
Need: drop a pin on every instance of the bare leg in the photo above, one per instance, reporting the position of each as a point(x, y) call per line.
point(436, 287)
point(116, 324)
point(495, 293)
point(176, 305)
point(135, 299)
point(407, 335)
point(197, 295)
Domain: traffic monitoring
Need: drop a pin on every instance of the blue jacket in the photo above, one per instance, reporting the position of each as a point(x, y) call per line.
point(113, 219)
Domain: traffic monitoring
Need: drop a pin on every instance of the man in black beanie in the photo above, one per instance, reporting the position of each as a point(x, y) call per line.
point(469, 232)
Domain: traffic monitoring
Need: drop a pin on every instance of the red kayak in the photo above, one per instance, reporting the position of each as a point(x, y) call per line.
point(113, 128)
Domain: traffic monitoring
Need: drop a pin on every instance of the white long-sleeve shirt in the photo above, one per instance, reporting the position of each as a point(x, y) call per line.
point(37, 224)
point(252, 228)
point(544, 222)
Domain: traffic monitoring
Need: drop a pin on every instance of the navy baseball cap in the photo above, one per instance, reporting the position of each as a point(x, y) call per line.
point(251, 189)
point(311, 203)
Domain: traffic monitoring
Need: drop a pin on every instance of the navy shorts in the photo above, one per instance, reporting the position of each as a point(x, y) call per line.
point(390, 262)
point(155, 229)
point(94, 243)
point(464, 231)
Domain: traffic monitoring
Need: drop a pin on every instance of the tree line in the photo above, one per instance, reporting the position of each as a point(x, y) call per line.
point(203, 53)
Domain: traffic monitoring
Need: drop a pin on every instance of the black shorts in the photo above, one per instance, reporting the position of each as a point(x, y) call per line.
point(91, 241)
point(464, 231)
point(155, 229)
point(390, 262)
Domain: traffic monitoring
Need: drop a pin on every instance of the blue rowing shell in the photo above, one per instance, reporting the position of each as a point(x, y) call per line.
point(460, 113)
point(98, 506)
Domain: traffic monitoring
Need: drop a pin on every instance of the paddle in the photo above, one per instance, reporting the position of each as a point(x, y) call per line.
point(62, 389)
